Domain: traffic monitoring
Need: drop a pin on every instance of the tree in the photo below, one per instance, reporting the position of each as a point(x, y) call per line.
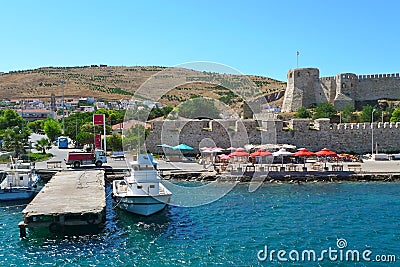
point(395, 115)
point(90, 128)
point(73, 123)
point(324, 110)
point(85, 138)
point(134, 137)
point(10, 118)
point(52, 128)
point(199, 108)
point(13, 131)
point(36, 126)
point(366, 114)
point(303, 113)
point(42, 145)
point(15, 138)
point(114, 142)
point(347, 114)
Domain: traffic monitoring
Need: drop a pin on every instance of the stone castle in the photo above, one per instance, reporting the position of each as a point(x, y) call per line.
point(305, 88)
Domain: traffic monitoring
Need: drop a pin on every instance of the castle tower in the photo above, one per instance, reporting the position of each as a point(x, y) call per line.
point(346, 88)
point(302, 85)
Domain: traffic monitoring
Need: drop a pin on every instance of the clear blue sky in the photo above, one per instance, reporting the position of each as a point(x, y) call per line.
point(254, 37)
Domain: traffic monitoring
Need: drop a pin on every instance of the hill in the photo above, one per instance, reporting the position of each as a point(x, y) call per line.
point(114, 83)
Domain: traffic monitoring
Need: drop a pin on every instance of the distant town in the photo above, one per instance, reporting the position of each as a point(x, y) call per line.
point(37, 109)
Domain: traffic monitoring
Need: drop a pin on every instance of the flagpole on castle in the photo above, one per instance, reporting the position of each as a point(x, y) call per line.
point(297, 57)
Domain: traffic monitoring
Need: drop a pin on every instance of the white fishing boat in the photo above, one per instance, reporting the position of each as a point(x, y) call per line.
point(19, 182)
point(142, 191)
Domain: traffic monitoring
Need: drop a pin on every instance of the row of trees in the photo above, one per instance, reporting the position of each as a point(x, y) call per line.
point(79, 127)
point(348, 114)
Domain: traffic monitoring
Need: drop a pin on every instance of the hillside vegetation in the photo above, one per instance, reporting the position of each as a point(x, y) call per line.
point(115, 83)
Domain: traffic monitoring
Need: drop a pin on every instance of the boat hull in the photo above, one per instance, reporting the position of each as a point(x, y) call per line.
point(143, 205)
point(16, 194)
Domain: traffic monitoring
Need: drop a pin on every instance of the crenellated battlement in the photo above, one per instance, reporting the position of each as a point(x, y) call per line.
point(329, 78)
point(347, 76)
point(378, 76)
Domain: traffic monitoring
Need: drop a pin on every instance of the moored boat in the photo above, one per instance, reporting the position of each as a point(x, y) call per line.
point(18, 183)
point(142, 191)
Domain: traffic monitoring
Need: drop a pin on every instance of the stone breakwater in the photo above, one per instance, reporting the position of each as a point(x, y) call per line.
point(285, 177)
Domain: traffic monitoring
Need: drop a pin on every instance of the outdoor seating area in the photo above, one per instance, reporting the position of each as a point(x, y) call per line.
point(262, 158)
point(276, 159)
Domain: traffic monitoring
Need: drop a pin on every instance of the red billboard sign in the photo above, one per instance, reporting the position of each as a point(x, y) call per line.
point(98, 119)
point(97, 141)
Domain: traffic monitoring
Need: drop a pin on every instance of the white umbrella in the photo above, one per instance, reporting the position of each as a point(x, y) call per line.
point(267, 146)
point(287, 146)
point(282, 153)
point(249, 146)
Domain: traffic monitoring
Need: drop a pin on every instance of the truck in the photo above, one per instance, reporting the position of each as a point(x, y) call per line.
point(76, 159)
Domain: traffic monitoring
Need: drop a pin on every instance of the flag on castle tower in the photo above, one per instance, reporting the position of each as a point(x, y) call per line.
point(298, 53)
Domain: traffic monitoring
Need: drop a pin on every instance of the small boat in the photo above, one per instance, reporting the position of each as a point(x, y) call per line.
point(141, 192)
point(19, 182)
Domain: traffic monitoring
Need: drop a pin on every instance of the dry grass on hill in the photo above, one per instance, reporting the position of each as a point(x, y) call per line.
point(114, 83)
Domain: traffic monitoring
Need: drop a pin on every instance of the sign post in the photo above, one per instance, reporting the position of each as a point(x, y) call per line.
point(99, 119)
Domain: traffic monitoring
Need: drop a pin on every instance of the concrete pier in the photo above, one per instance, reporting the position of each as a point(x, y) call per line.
point(70, 200)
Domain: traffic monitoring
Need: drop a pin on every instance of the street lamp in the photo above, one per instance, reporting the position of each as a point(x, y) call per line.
point(372, 132)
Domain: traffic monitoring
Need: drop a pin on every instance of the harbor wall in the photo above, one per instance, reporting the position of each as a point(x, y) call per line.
point(314, 135)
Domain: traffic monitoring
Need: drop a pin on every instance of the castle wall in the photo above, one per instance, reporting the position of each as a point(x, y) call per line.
point(378, 86)
point(201, 133)
point(328, 87)
point(304, 87)
point(345, 137)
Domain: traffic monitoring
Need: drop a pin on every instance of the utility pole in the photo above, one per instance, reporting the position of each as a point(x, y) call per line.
point(372, 132)
point(76, 129)
point(63, 126)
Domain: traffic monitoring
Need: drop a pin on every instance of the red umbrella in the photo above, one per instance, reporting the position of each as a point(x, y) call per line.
point(261, 153)
point(325, 152)
point(239, 154)
point(304, 152)
point(224, 156)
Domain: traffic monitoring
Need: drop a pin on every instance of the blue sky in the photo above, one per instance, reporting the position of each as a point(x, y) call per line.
point(254, 37)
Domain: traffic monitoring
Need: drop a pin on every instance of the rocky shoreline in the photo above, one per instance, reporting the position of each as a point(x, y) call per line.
point(285, 177)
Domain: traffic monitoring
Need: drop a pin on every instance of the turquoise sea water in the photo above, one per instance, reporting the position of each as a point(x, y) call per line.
point(228, 232)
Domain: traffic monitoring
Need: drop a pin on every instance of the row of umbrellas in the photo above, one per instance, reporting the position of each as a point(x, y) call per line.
point(302, 152)
point(240, 152)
